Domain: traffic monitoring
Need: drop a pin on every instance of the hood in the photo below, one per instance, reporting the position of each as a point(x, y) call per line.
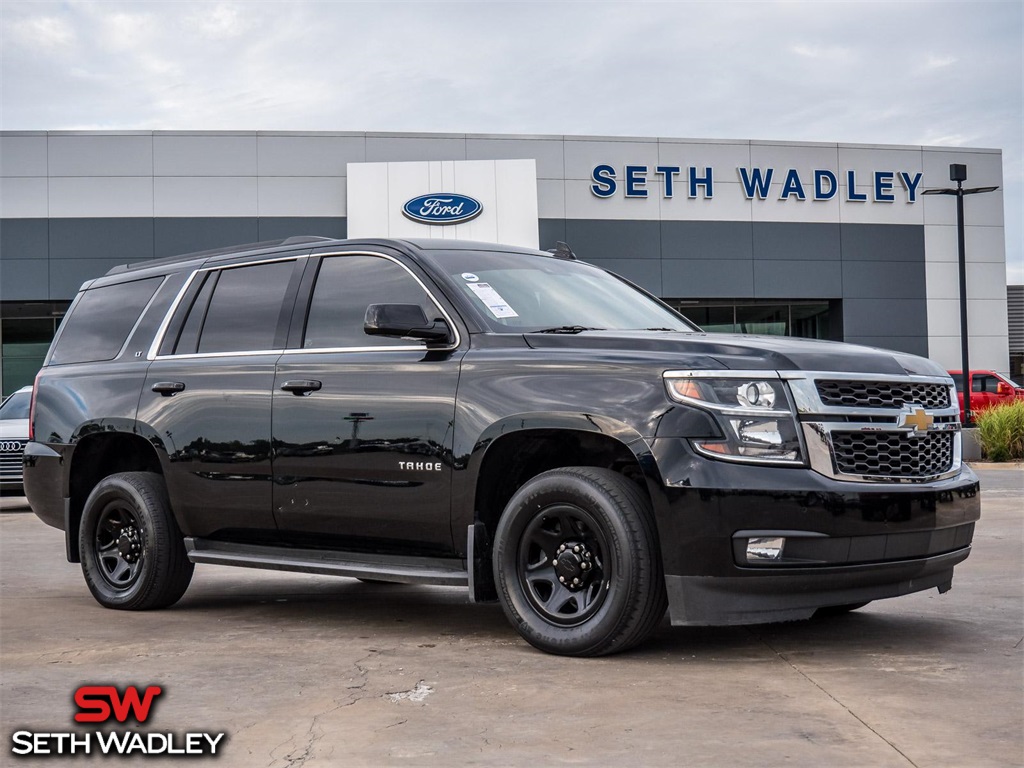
point(14, 429)
point(738, 352)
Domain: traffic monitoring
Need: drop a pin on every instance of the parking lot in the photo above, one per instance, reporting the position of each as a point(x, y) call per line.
point(314, 671)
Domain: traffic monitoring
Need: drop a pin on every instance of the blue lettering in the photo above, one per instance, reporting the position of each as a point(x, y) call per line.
point(851, 189)
point(883, 187)
point(705, 181)
point(755, 182)
point(604, 181)
point(636, 178)
point(792, 186)
point(820, 177)
point(668, 172)
point(911, 184)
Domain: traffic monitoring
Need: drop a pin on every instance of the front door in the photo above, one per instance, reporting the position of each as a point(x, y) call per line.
point(362, 425)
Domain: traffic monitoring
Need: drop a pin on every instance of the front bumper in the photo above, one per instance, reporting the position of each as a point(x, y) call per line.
point(846, 542)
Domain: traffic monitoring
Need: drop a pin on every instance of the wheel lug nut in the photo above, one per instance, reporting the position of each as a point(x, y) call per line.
point(575, 549)
point(555, 561)
point(562, 579)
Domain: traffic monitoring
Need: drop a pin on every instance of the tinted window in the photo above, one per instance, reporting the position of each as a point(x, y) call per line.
point(345, 287)
point(958, 381)
point(188, 339)
point(984, 383)
point(99, 325)
point(245, 310)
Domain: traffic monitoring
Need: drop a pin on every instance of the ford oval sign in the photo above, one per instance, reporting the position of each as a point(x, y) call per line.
point(442, 208)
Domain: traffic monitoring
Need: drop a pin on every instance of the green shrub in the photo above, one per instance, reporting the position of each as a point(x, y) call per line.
point(1001, 431)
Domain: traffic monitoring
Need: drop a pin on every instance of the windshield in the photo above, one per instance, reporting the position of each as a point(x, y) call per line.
point(517, 292)
point(16, 406)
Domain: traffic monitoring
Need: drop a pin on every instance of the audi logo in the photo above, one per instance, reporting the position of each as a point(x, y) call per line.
point(10, 446)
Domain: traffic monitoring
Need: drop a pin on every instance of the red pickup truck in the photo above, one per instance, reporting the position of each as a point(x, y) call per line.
point(988, 389)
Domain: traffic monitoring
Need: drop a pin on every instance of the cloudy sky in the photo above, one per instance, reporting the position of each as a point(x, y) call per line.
point(936, 73)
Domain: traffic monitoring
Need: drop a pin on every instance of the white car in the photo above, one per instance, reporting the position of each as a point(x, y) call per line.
point(13, 436)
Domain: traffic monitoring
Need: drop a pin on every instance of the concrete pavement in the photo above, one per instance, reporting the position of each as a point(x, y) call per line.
point(314, 671)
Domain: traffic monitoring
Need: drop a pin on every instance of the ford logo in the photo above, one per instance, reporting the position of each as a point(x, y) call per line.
point(442, 208)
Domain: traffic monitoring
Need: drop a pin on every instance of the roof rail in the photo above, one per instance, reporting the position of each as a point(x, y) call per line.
point(184, 257)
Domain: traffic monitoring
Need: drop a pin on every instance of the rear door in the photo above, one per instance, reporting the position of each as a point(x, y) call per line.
point(363, 425)
point(208, 394)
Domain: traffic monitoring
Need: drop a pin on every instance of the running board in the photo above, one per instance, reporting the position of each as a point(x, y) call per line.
point(403, 570)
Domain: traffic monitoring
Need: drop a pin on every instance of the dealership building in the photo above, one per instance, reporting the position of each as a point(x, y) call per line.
point(830, 241)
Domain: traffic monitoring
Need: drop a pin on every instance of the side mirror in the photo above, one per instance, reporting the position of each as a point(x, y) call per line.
point(404, 321)
point(1004, 389)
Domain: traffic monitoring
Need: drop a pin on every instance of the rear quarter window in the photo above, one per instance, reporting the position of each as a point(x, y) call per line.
point(98, 326)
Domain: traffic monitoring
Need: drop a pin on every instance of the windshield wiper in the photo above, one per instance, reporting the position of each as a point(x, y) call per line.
point(660, 329)
point(568, 329)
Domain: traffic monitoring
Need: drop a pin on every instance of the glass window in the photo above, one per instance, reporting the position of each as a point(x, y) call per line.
point(711, 319)
point(345, 287)
point(958, 381)
point(516, 292)
point(188, 339)
point(99, 325)
point(245, 310)
point(16, 406)
point(984, 383)
point(769, 320)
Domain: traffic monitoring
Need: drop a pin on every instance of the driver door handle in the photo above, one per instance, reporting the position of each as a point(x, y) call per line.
point(301, 387)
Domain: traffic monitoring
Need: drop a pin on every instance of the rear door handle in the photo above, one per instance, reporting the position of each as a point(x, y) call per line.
point(301, 386)
point(169, 388)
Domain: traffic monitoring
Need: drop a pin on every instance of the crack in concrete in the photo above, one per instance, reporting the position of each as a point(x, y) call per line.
point(817, 685)
point(314, 733)
point(1019, 642)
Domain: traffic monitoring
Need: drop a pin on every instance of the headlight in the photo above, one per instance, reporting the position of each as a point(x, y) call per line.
point(753, 410)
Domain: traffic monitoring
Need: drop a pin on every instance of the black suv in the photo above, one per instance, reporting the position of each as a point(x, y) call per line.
point(517, 422)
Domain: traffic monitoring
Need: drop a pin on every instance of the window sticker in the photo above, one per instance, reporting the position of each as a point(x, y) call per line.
point(492, 300)
point(469, 277)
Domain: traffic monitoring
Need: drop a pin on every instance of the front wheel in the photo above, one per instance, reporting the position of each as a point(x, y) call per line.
point(133, 554)
point(577, 564)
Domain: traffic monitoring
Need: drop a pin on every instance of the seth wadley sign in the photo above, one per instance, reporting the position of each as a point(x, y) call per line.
point(761, 183)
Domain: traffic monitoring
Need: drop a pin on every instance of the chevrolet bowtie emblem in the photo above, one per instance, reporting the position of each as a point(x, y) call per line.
point(918, 419)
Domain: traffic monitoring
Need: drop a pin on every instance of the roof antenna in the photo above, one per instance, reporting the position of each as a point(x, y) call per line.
point(562, 251)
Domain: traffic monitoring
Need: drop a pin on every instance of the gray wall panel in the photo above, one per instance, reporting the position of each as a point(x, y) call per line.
point(882, 242)
point(613, 239)
point(880, 317)
point(280, 227)
point(884, 280)
point(187, 234)
point(24, 279)
point(24, 239)
point(707, 278)
point(777, 279)
point(706, 240)
point(791, 240)
point(67, 275)
point(644, 272)
point(549, 231)
point(129, 239)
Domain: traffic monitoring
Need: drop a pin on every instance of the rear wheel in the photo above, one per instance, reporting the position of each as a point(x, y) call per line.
point(577, 564)
point(133, 554)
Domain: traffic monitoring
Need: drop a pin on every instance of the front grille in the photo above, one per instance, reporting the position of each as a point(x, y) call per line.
point(882, 394)
point(10, 466)
point(893, 454)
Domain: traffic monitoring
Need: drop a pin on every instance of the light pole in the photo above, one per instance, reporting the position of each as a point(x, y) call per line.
point(958, 173)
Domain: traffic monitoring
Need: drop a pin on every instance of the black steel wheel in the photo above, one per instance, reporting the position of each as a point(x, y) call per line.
point(133, 555)
point(577, 564)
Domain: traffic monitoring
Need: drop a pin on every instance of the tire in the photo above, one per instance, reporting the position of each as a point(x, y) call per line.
point(838, 610)
point(132, 551)
point(589, 524)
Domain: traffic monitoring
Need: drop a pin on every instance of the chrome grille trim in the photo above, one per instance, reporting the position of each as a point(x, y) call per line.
point(886, 451)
